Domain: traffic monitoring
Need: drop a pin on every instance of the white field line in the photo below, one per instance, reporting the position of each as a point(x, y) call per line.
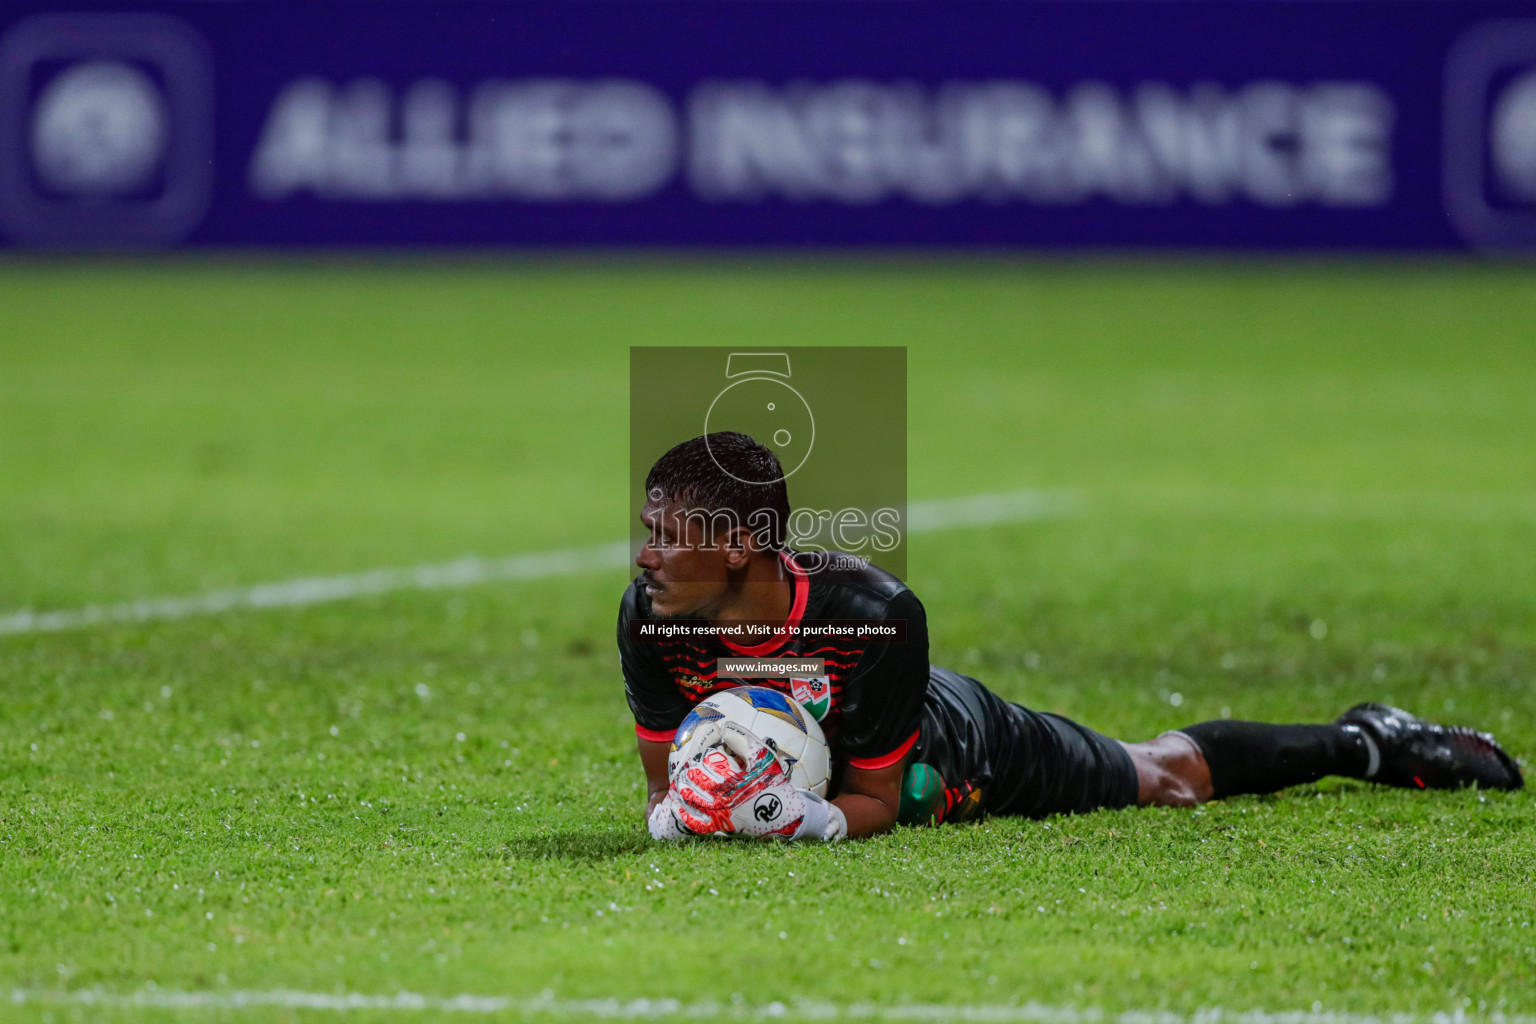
point(923, 517)
point(648, 1009)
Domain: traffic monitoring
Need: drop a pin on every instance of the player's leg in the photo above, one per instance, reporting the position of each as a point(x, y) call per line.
point(1044, 764)
point(1227, 757)
point(1171, 771)
point(1371, 741)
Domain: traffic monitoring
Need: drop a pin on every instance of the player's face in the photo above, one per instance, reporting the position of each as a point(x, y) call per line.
point(684, 576)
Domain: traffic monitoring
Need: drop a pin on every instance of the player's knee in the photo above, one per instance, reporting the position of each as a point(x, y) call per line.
point(1176, 791)
point(1170, 772)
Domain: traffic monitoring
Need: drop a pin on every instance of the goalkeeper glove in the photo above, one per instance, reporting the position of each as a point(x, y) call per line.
point(735, 784)
point(665, 822)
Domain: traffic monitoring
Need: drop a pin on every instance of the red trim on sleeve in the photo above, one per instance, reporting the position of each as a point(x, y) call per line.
point(802, 594)
point(870, 763)
point(653, 735)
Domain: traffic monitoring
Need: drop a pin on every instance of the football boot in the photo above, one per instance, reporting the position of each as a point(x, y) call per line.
point(1416, 754)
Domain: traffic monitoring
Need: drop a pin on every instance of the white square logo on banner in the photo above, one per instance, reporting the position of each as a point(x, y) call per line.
point(106, 130)
point(1490, 134)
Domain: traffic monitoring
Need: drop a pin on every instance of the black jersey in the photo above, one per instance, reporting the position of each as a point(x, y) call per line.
point(870, 701)
point(881, 700)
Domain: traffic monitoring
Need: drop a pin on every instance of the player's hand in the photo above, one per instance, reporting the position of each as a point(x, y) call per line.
point(705, 735)
point(734, 784)
point(823, 819)
point(673, 818)
point(666, 821)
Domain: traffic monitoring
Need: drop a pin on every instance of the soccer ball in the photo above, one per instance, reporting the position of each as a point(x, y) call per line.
point(774, 718)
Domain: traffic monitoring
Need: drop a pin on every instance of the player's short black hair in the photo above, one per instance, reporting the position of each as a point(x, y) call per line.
point(715, 473)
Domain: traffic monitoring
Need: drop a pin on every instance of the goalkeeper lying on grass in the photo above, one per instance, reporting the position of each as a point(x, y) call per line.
point(910, 741)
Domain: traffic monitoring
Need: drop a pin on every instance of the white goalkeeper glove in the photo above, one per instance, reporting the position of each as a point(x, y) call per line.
point(664, 822)
point(823, 819)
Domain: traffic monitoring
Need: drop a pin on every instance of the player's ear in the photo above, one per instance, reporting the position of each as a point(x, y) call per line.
point(738, 547)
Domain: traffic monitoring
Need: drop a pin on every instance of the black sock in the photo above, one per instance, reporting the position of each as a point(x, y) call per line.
point(1253, 757)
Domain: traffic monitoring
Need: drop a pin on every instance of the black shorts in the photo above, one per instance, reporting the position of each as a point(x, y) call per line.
point(1002, 758)
point(1060, 767)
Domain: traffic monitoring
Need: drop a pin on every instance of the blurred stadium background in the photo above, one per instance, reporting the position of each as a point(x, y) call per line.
point(1364, 124)
point(1224, 299)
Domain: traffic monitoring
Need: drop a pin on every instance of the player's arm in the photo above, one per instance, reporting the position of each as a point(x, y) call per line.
point(883, 704)
point(653, 758)
point(654, 698)
point(870, 798)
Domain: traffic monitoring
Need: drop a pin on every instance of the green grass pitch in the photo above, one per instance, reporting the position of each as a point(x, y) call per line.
point(1299, 486)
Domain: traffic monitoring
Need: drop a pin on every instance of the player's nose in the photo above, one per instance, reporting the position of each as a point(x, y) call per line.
point(647, 557)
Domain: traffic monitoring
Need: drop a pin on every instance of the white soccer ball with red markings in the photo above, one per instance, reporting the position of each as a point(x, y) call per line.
point(773, 717)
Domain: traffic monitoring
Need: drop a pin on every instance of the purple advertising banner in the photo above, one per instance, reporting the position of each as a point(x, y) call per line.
point(1038, 124)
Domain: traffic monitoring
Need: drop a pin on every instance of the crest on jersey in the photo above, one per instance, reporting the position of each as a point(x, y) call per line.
point(814, 694)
